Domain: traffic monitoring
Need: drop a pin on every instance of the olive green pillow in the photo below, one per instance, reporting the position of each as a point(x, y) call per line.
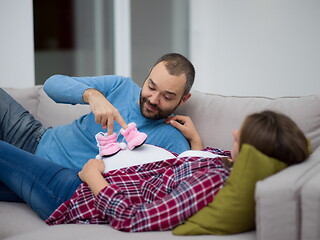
point(233, 209)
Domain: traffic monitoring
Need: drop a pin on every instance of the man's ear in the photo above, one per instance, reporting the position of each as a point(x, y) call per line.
point(185, 98)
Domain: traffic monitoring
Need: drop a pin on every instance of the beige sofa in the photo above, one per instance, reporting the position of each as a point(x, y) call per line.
point(287, 204)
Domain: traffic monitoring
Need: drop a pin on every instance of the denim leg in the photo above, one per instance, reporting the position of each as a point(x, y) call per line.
point(42, 184)
point(17, 126)
point(6, 194)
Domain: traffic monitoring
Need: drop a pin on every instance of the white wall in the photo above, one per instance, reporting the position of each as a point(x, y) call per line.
point(16, 43)
point(239, 47)
point(256, 47)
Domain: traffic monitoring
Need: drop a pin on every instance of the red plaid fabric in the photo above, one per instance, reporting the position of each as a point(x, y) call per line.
point(150, 197)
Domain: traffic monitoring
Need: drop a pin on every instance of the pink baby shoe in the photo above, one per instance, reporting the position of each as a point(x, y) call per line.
point(108, 145)
point(133, 137)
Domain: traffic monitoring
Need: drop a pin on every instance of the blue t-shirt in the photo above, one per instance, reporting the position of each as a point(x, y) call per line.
point(72, 145)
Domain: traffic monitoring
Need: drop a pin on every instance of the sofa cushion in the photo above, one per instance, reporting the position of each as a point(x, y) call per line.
point(27, 97)
point(50, 113)
point(99, 232)
point(233, 209)
point(18, 218)
point(19, 222)
point(224, 114)
point(44, 109)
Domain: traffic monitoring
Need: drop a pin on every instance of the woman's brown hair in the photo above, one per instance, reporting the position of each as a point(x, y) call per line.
point(275, 135)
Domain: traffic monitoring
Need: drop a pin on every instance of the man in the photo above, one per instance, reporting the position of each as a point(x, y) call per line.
point(114, 101)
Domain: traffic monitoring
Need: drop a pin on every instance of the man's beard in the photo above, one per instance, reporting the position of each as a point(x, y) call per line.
point(159, 112)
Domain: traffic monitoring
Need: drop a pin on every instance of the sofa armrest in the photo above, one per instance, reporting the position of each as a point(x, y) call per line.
point(277, 198)
point(310, 208)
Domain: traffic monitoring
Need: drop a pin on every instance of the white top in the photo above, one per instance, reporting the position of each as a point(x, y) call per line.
point(146, 154)
point(198, 153)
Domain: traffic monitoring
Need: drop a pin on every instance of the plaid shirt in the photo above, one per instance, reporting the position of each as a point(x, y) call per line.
point(149, 197)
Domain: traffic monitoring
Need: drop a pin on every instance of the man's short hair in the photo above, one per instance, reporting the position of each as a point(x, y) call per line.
point(177, 64)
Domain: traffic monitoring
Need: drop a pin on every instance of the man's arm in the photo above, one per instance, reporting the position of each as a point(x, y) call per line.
point(65, 89)
point(91, 90)
point(105, 113)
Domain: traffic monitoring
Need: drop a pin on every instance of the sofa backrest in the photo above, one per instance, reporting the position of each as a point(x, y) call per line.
point(214, 115)
point(43, 108)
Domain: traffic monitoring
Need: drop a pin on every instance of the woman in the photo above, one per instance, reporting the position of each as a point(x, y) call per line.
point(155, 196)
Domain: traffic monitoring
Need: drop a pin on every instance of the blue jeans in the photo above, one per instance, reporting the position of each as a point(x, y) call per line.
point(19, 128)
point(42, 184)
